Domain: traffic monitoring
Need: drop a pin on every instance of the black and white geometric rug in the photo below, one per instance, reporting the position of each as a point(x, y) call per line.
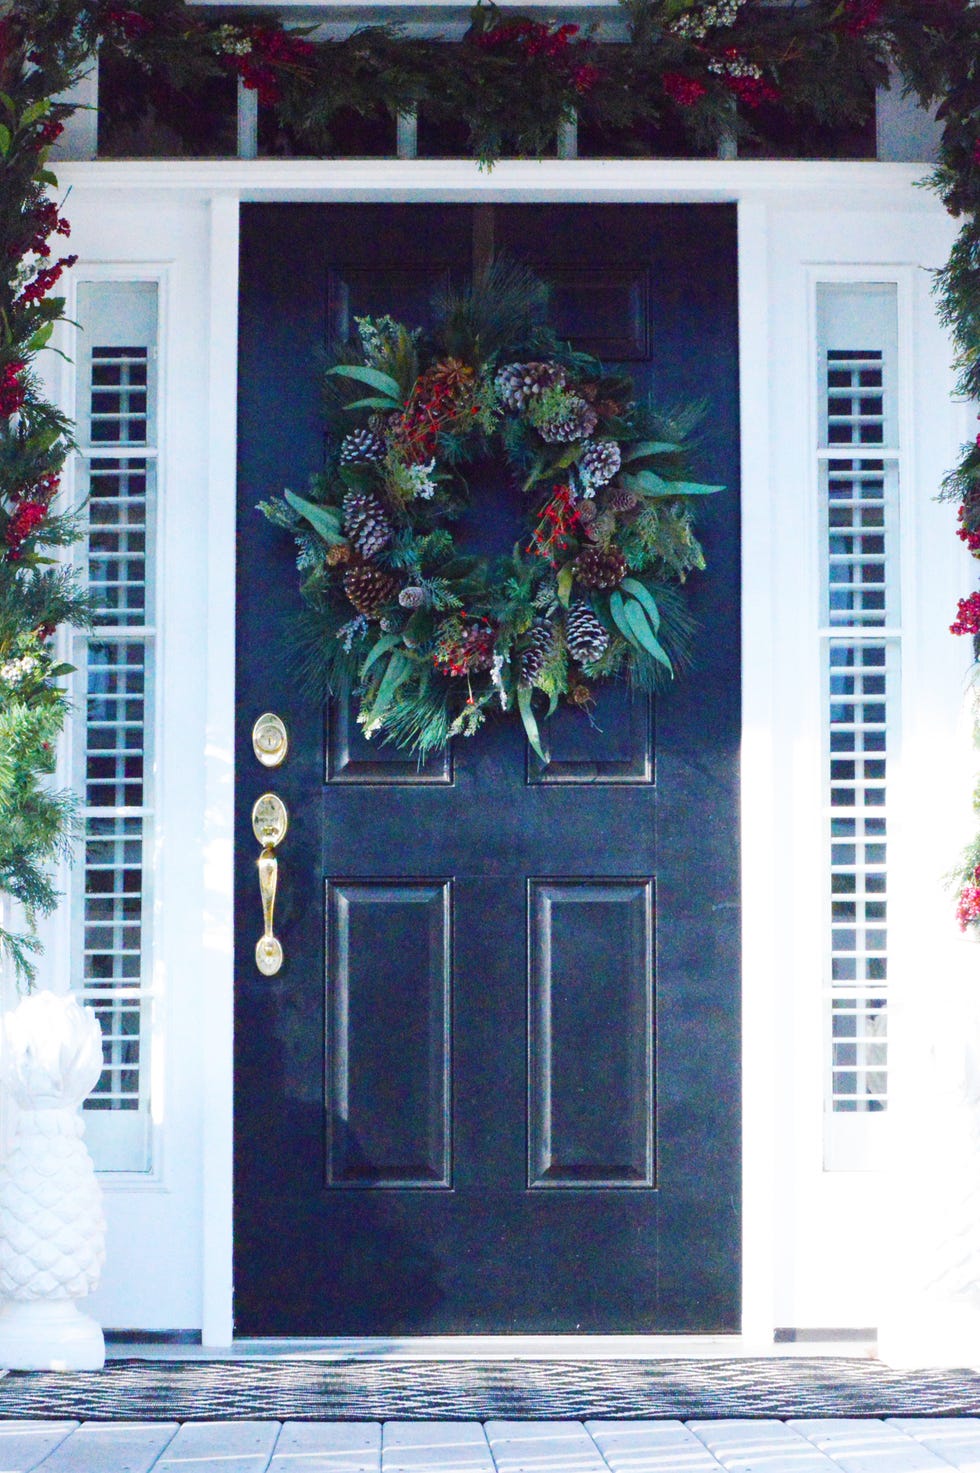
point(281, 1390)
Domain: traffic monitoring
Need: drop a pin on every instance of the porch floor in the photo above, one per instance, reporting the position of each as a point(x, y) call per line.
point(803, 1445)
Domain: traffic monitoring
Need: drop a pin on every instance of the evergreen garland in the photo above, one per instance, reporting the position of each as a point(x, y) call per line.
point(37, 594)
point(704, 69)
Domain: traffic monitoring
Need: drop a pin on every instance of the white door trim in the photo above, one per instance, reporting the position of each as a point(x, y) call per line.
point(756, 189)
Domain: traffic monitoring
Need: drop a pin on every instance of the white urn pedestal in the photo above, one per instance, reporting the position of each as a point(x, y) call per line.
point(52, 1227)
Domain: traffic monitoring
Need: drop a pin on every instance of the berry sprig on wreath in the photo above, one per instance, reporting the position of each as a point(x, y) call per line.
point(431, 638)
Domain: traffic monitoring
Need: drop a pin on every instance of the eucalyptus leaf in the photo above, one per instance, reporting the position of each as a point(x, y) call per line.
point(371, 376)
point(645, 637)
point(397, 672)
point(643, 449)
point(644, 597)
point(374, 402)
point(524, 693)
point(565, 579)
point(618, 616)
point(690, 488)
point(646, 483)
point(322, 519)
point(5, 140)
point(381, 647)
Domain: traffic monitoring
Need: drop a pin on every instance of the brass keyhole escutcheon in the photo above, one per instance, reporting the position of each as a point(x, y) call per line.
point(270, 742)
point(269, 824)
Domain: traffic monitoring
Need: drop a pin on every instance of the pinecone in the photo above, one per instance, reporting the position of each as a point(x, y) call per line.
point(369, 589)
point(519, 383)
point(476, 648)
point(412, 597)
point(366, 522)
point(361, 445)
point(619, 499)
point(575, 421)
point(586, 636)
point(472, 651)
point(587, 512)
point(598, 567)
point(540, 640)
point(599, 462)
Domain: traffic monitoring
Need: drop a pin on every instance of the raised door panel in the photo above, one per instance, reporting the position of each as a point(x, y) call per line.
point(388, 1034)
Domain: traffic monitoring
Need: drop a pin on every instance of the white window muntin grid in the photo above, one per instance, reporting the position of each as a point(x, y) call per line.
point(859, 558)
point(118, 447)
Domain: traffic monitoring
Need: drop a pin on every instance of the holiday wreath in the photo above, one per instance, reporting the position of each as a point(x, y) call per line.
point(432, 638)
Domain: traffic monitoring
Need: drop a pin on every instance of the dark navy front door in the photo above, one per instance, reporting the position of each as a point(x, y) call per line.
point(495, 1086)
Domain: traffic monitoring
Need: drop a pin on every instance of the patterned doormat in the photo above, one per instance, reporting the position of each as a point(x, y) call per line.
point(278, 1390)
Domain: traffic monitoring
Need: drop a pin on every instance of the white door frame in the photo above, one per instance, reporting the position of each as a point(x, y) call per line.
point(760, 191)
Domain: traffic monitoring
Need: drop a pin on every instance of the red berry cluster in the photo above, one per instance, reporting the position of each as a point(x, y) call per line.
point(25, 520)
point(472, 650)
point(969, 535)
point(440, 395)
point(751, 90)
point(11, 389)
point(535, 38)
point(45, 279)
point(272, 49)
point(50, 131)
point(559, 520)
point(967, 619)
point(44, 220)
point(861, 15)
point(968, 904)
point(132, 25)
point(685, 91)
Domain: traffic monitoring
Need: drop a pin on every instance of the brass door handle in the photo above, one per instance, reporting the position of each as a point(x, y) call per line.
point(269, 823)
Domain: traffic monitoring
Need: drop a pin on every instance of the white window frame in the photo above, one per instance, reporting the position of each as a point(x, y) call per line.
point(858, 1141)
point(67, 922)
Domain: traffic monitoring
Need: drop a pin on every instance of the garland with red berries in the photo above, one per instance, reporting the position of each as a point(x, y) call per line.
point(691, 72)
point(37, 592)
point(432, 639)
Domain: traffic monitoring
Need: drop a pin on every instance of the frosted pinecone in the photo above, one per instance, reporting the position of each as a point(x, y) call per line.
point(412, 597)
point(366, 522)
point(587, 638)
point(574, 421)
point(361, 446)
point(519, 383)
point(540, 640)
point(369, 589)
point(52, 1228)
point(597, 567)
point(598, 463)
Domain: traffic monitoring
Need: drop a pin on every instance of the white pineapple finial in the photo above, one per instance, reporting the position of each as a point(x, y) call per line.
point(52, 1228)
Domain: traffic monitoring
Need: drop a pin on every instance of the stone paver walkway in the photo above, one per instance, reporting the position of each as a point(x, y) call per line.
point(804, 1445)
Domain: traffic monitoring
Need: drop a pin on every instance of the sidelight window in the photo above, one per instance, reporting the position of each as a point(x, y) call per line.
point(113, 737)
point(861, 662)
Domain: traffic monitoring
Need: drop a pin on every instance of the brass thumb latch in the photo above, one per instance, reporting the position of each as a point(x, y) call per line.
point(269, 824)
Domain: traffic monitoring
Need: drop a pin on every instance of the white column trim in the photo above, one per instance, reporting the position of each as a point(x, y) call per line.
point(758, 838)
point(217, 998)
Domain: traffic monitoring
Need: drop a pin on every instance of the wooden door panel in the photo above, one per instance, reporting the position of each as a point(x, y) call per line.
point(591, 1084)
point(352, 759)
point(495, 1086)
point(616, 747)
point(389, 1033)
